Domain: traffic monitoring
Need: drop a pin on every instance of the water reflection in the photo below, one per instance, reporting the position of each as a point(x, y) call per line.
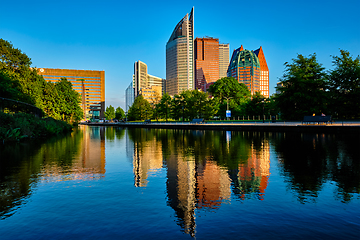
point(203, 167)
point(308, 161)
point(79, 155)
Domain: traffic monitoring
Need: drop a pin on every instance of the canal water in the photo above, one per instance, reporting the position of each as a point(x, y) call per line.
point(115, 183)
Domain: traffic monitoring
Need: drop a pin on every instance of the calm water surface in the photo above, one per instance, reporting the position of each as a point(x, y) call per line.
point(114, 183)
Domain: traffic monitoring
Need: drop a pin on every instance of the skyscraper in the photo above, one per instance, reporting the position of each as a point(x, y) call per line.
point(149, 86)
point(206, 62)
point(250, 67)
point(180, 56)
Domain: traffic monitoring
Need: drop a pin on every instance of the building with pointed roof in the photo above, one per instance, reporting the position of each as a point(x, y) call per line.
point(250, 67)
point(180, 56)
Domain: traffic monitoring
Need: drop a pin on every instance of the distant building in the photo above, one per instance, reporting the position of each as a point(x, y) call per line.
point(152, 94)
point(250, 68)
point(129, 96)
point(180, 56)
point(224, 58)
point(90, 84)
point(144, 84)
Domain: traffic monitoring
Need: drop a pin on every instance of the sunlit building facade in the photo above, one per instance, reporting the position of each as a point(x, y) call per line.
point(206, 62)
point(224, 58)
point(250, 67)
point(89, 84)
point(149, 86)
point(180, 56)
point(264, 73)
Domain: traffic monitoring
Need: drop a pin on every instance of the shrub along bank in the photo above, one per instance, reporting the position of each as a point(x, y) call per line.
point(14, 127)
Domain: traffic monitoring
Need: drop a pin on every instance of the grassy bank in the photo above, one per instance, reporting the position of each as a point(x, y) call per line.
point(14, 127)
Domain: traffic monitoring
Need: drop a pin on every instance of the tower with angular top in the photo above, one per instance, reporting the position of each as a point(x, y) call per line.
point(180, 56)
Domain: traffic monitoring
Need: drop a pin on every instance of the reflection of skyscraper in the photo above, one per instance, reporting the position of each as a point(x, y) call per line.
point(147, 156)
point(253, 176)
point(212, 185)
point(179, 56)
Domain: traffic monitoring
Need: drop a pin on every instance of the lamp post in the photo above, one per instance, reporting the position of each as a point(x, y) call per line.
point(263, 102)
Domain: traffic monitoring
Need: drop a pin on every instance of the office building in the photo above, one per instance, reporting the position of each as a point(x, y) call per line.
point(211, 61)
point(224, 58)
point(180, 56)
point(89, 84)
point(129, 95)
point(246, 67)
point(149, 86)
point(206, 62)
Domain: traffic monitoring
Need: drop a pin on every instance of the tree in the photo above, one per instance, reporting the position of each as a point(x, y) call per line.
point(140, 110)
point(344, 86)
point(119, 113)
point(256, 106)
point(109, 112)
point(164, 106)
point(230, 93)
point(303, 88)
point(69, 108)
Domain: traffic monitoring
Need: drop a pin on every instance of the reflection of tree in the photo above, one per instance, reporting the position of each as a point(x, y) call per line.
point(310, 160)
point(21, 164)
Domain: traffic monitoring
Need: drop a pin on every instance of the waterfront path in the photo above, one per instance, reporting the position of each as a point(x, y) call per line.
point(295, 126)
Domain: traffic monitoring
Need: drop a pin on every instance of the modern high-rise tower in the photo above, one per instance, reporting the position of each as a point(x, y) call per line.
point(180, 56)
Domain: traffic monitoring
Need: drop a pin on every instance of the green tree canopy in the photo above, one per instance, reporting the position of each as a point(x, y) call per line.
point(163, 108)
point(119, 113)
point(140, 110)
point(231, 94)
point(303, 88)
point(109, 112)
point(344, 86)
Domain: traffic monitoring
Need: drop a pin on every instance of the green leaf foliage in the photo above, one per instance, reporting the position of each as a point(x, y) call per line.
point(21, 83)
point(109, 113)
point(344, 86)
point(303, 88)
point(140, 110)
point(119, 113)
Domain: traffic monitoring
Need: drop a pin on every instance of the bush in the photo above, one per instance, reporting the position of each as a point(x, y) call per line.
point(21, 125)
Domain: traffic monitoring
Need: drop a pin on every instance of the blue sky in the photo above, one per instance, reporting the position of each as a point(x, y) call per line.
point(112, 35)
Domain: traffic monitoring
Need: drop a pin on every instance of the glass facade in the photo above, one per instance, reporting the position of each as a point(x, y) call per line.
point(180, 56)
point(250, 68)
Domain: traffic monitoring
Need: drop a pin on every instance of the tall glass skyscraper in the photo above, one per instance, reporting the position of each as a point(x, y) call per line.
point(180, 56)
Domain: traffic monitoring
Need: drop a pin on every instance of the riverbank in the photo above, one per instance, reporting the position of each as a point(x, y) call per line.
point(337, 127)
point(14, 127)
